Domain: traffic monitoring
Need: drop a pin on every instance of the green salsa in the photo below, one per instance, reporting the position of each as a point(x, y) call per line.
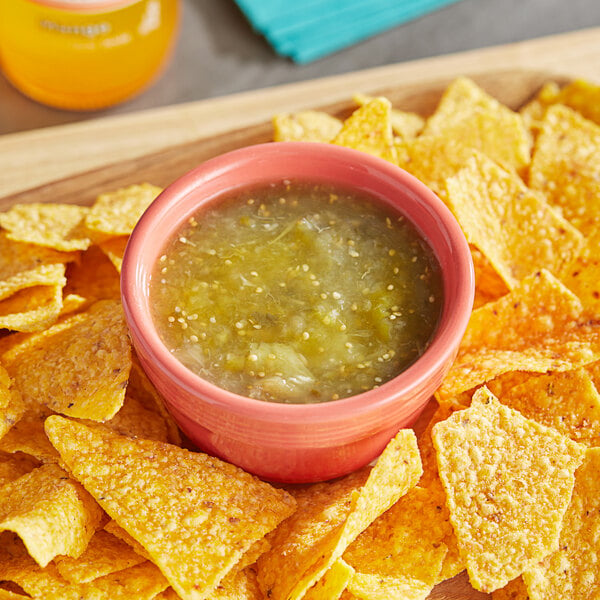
point(297, 293)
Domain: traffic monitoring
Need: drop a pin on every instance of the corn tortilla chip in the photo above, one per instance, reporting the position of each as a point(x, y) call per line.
point(12, 412)
point(397, 470)
point(489, 286)
point(568, 402)
point(51, 513)
point(572, 571)
point(81, 368)
point(114, 248)
point(94, 277)
point(406, 125)
point(508, 482)
point(513, 590)
point(142, 582)
point(58, 226)
point(514, 227)
point(538, 327)
point(333, 583)
point(32, 309)
point(118, 532)
point(195, 515)
point(369, 129)
point(305, 126)
point(12, 466)
point(116, 213)
point(375, 587)
point(28, 436)
point(468, 113)
point(103, 555)
point(566, 166)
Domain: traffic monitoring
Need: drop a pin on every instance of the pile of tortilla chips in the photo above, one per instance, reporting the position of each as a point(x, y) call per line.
point(99, 500)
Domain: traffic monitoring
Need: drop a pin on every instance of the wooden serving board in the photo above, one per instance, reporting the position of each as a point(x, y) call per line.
point(74, 163)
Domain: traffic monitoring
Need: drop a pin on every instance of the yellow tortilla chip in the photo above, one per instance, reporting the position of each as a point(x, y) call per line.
point(533, 112)
point(195, 515)
point(12, 466)
point(566, 166)
point(103, 555)
point(80, 368)
point(406, 125)
point(12, 412)
point(567, 402)
point(32, 309)
point(58, 226)
point(513, 590)
point(582, 276)
point(369, 129)
point(117, 531)
point(93, 277)
point(572, 571)
point(374, 587)
point(405, 542)
point(514, 227)
point(238, 585)
point(468, 113)
point(142, 582)
point(116, 213)
point(489, 286)
point(51, 513)
point(115, 250)
point(305, 126)
point(333, 583)
point(508, 482)
point(28, 436)
point(305, 547)
point(538, 327)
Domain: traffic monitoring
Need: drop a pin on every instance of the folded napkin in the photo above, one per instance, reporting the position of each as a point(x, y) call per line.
point(311, 29)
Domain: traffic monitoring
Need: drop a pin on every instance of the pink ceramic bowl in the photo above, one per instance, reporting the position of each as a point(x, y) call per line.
point(296, 442)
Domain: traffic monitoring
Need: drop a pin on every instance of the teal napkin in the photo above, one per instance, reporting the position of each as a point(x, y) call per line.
point(311, 29)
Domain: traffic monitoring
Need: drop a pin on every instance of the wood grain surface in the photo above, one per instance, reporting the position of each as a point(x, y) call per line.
point(74, 163)
point(33, 158)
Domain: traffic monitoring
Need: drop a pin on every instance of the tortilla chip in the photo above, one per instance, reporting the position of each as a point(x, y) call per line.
point(537, 328)
point(513, 590)
point(115, 250)
point(533, 112)
point(28, 436)
point(11, 413)
point(305, 546)
point(58, 226)
point(582, 276)
point(566, 166)
point(467, 113)
point(514, 227)
point(572, 571)
point(104, 554)
point(404, 542)
point(369, 129)
point(116, 213)
point(8, 595)
point(489, 286)
point(94, 277)
point(406, 125)
point(142, 582)
point(79, 368)
point(508, 482)
point(374, 587)
point(238, 585)
point(117, 531)
point(568, 402)
point(333, 583)
point(305, 126)
point(32, 309)
point(51, 513)
point(194, 514)
point(13, 466)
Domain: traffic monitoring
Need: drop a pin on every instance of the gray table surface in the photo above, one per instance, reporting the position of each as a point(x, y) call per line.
point(218, 53)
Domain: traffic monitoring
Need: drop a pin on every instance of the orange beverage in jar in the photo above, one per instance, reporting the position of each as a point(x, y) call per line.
point(85, 54)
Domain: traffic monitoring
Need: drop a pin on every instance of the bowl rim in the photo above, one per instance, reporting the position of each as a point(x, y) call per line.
point(441, 349)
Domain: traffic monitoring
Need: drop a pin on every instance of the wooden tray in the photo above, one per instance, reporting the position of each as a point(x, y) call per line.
point(74, 163)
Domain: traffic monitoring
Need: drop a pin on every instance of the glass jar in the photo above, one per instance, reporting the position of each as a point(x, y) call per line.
point(85, 54)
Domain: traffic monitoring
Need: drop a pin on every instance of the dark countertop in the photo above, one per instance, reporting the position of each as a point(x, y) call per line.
point(218, 53)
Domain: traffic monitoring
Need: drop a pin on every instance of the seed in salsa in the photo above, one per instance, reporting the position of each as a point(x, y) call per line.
point(297, 293)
